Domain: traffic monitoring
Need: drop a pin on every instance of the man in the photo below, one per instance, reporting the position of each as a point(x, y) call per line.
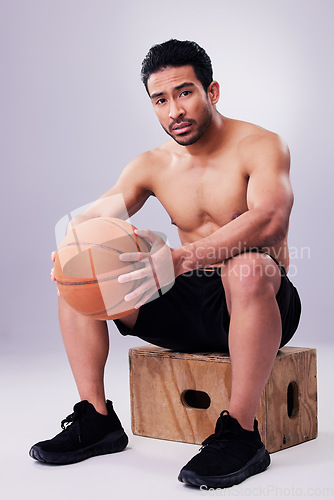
point(225, 184)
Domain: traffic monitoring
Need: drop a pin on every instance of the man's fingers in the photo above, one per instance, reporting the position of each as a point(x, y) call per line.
point(147, 234)
point(133, 256)
point(144, 288)
point(53, 256)
point(145, 297)
point(52, 274)
point(135, 275)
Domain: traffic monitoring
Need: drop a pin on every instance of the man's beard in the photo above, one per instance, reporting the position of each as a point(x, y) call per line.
point(202, 128)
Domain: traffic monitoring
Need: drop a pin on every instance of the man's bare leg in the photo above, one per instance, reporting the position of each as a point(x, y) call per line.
point(86, 342)
point(85, 433)
point(251, 282)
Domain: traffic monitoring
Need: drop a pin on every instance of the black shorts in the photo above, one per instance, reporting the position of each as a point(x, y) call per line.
point(192, 316)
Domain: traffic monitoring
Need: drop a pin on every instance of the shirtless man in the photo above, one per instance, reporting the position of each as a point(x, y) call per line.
point(225, 184)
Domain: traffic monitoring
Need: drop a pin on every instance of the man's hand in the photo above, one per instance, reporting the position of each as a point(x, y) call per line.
point(158, 267)
point(52, 273)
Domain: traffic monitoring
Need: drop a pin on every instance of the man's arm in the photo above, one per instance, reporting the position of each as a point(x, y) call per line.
point(126, 197)
point(266, 162)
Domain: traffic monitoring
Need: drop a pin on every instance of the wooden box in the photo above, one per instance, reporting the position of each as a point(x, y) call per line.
point(179, 396)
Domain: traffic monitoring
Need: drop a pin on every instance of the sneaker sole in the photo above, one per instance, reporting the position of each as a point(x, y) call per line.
point(256, 464)
point(112, 443)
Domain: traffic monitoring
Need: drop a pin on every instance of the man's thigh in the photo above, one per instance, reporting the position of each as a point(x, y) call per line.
point(189, 316)
point(130, 319)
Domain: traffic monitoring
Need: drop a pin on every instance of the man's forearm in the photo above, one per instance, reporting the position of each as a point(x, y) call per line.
point(112, 205)
point(254, 228)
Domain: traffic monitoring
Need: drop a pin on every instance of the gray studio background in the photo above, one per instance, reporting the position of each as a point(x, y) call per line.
point(74, 112)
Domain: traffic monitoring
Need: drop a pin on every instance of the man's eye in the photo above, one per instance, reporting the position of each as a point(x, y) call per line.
point(160, 101)
point(185, 93)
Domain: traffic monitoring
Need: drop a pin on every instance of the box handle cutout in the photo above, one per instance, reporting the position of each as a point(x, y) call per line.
point(195, 399)
point(293, 399)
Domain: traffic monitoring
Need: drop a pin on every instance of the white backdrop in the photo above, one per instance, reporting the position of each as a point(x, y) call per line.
point(74, 112)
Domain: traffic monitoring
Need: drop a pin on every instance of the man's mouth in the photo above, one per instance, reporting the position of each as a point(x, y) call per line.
point(181, 128)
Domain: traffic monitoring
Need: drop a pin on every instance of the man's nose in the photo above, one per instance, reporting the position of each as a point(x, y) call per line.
point(175, 110)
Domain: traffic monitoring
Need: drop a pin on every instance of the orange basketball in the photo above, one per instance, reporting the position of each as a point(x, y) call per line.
point(87, 266)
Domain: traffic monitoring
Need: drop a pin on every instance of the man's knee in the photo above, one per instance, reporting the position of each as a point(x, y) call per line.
point(251, 274)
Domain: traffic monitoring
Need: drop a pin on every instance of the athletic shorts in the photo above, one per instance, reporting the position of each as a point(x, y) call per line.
point(192, 316)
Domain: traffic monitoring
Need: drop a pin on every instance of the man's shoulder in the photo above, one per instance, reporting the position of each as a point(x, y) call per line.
point(145, 167)
point(148, 164)
point(249, 134)
point(153, 157)
point(256, 144)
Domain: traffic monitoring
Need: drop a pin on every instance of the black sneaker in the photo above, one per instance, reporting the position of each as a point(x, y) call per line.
point(227, 457)
point(86, 433)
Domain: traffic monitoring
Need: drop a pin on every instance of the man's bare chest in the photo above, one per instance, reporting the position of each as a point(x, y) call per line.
point(201, 199)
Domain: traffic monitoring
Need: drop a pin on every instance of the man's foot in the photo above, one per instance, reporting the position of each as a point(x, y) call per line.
point(86, 433)
point(227, 457)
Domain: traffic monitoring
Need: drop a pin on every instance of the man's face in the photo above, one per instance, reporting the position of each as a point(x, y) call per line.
point(181, 103)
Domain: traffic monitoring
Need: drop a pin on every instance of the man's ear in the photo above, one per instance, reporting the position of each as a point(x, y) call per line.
point(214, 92)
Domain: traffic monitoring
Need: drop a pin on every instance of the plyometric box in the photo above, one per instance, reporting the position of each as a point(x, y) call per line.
point(179, 396)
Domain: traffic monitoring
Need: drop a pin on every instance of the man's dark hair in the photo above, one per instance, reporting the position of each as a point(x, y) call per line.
point(175, 53)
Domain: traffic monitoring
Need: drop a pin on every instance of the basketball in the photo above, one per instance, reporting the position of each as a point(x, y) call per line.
point(87, 267)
